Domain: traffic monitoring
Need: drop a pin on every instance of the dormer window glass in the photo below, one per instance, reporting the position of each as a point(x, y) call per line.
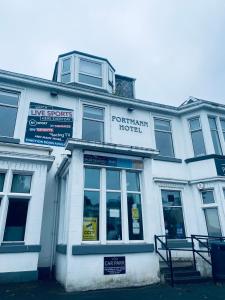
point(66, 72)
point(90, 72)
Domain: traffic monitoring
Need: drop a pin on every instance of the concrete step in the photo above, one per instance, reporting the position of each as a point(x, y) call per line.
point(191, 279)
point(182, 274)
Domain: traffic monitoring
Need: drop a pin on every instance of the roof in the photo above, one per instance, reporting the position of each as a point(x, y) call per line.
point(101, 95)
point(86, 54)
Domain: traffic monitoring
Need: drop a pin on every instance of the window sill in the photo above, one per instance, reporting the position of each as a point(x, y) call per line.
point(204, 157)
point(18, 248)
point(170, 159)
point(10, 140)
point(112, 249)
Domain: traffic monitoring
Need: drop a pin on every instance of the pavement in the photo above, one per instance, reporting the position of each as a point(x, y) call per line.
point(50, 290)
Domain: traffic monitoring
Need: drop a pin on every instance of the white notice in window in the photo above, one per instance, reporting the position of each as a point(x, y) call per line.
point(114, 213)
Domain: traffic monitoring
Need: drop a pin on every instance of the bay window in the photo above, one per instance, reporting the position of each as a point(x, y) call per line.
point(109, 203)
point(8, 112)
point(197, 137)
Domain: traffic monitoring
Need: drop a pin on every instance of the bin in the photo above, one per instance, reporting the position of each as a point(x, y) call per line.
point(218, 260)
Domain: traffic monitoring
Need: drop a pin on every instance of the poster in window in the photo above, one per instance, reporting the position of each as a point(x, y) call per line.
point(89, 229)
point(48, 125)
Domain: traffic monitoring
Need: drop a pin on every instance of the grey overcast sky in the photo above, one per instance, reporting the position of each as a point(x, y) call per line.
point(174, 48)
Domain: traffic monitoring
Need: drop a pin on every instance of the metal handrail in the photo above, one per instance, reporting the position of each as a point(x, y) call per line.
point(168, 259)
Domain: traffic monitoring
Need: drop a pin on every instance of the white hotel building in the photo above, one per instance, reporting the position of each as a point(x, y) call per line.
point(89, 174)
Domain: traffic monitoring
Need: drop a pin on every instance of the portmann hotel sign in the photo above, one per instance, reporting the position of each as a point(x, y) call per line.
point(128, 124)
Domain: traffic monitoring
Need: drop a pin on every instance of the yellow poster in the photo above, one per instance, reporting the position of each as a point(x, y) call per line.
point(135, 213)
point(89, 229)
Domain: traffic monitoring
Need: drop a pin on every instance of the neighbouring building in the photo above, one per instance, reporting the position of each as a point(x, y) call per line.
point(89, 174)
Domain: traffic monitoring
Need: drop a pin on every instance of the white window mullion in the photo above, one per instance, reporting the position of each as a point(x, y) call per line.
point(124, 208)
point(103, 220)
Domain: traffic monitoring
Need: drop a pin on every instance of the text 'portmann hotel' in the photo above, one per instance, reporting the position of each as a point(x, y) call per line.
point(128, 124)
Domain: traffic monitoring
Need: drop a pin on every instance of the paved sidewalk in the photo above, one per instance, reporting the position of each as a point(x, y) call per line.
point(50, 290)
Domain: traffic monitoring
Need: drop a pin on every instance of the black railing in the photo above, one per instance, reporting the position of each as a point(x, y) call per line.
point(168, 259)
point(203, 241)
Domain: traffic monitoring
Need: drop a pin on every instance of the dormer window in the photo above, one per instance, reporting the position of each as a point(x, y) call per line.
point(66, 70)
point(90, 72)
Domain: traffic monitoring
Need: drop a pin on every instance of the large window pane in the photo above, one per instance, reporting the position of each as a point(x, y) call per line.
point(216, 142)
point(66, 66)
point(92, 178)
point(90, 67)
point(65, 78)
point(133, 183)
point(207, 197)
point(91, 216)
point(10, 99)
point(134, 216)
point(198, 143)
point(222, 124)
point(92, 112)
point(114, 228)
point(16, 220)
point(2, 180)
point(90, 80)
point(112, 180)
point(174, 223)
point(164, 143)
point(21, 183)
point(212, 221)
point(8, 120)
point(93, 130)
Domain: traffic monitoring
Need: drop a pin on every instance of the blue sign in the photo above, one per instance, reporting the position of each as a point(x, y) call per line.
point(220, 166)
point(114, 265)
point(49, 125)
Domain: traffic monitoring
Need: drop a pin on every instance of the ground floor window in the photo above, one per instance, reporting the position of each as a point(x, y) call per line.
point(173, 214)
point(112, 199)
point(210, 210)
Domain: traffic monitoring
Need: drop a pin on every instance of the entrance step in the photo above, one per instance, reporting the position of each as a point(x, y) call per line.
point(183, 272)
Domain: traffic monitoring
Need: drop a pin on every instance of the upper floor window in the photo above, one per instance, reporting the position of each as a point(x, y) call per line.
point(197, 137)
point(90, 72)
point(215, 135)
point(222, 121)
point(163, 137)
point(8, 113)
point(93, 123)
point(66, 71)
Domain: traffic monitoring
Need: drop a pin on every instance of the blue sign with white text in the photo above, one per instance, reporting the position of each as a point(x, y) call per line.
point(49, 125)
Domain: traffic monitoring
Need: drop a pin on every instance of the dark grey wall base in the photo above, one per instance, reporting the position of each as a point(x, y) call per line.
point(6, 248)
point(61, 248)
point(169, 159)
point(18, 276)
point(111, 249)
point(179, 244)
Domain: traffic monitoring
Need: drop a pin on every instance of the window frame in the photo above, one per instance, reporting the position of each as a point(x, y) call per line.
point(90, 119)
point(180, 191)
point(68, 72)
point(88, 74)
point(165, 131)
point(208, 206)
point(11, 92)
point(196, 130)
point(103, 205)
point(7, 195)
